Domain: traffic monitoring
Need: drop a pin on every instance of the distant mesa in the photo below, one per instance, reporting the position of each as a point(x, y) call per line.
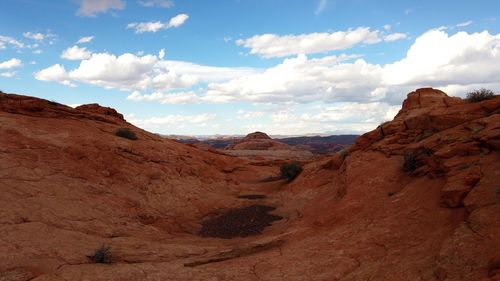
point(259, 141)
point(257, 136)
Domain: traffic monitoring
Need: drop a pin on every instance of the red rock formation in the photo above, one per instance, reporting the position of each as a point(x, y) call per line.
point(259, 141)
point(68, 185)
point(95, 108)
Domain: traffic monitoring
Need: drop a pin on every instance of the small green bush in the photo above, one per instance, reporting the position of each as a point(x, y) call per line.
point(410, 163)
point(126, 133)
point(290, 171)
point(480, 95)
point(102, 255)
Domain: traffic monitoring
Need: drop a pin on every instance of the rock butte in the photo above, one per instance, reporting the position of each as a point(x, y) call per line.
point(259, 146)
point(68, 185)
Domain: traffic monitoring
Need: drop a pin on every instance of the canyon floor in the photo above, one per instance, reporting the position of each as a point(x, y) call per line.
point(418, 198)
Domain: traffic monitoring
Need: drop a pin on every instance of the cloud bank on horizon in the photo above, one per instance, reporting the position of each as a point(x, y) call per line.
point(151, 63)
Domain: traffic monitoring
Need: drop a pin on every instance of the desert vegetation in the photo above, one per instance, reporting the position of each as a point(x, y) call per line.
point(480, 95)
point(102, 255)
point(410, 162)
point(126, 133)
point(290, 171)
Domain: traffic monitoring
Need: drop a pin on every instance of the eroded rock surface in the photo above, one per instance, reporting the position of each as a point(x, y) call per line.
point(68, 185)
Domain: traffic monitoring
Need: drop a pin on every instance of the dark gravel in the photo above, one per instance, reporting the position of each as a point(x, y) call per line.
point(252, 196)
point(239, 222)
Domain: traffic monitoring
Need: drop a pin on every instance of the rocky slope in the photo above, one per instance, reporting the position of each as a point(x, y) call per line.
point(68, 185)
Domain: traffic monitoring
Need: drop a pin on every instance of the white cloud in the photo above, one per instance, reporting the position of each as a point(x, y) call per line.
point(439, 59)
point(272, 45)
point(37, 52)
point(131, 72)
point(35, 36)
point(123, 72)
point(394, 37)
point(170, 98)
point(157, 3)
point(354, 112)
point(54, 73)
point(4, 40)
point(76, 53)
point(8, 74)
point(464, 24)
point(303, 80)
point(142, 27)
point(435, 59)
point(40, 37)
point(86, 39)
point(90, 8)
point(174, 119)
point(12, 63)
point(242, 114)
point(387, 27)
point(178, 20)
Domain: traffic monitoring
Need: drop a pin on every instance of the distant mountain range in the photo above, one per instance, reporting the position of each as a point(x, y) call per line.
point(315, 144)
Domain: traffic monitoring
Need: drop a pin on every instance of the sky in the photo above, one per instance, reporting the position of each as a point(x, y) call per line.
point(285, 67)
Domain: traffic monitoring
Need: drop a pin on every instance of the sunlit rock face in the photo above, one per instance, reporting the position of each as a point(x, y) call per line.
point(415, 199)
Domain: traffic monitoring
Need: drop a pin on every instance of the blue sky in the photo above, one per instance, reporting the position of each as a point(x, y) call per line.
point(233, 67)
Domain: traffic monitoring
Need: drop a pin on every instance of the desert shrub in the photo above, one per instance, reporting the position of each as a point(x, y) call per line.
point(126, 133)
point(410, 163)
point(480, 95)
point(102, 255)
point(290, 171)
point(344, 153)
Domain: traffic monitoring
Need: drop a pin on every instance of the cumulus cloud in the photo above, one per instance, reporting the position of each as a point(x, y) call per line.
point(133, 72)
point(142, 27)
point(272, 45)
point(90, 8)
point(436, 58)
point(395, 36)
point(157, 3)
point(439, 59)
point(76, 53)
point(86, 39)
point(12, 63)
point(304, 80)
point(5, 40)
point(54, 73)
